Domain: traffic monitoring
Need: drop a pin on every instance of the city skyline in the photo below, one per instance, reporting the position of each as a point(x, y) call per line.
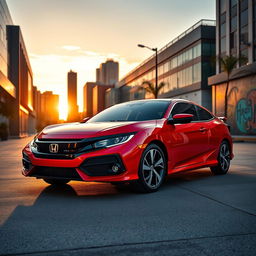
point(53, 52)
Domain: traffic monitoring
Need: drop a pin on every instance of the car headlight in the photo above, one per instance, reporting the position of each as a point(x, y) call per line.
point(32, 144)
point(112, 141)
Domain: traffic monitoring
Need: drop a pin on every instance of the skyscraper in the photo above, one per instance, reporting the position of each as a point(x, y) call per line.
point(72, 96)
point(108, 73)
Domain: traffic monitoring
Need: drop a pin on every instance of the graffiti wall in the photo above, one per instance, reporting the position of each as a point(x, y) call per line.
point(241, 105)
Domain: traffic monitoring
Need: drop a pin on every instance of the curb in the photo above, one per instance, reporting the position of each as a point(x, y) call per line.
point(244, 138)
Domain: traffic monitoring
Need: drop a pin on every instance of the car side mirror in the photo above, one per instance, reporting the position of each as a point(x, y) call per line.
point(85, 120)
point(180, 119)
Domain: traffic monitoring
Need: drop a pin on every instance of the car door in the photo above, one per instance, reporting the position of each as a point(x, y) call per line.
point(206, 123)
point(187, 141)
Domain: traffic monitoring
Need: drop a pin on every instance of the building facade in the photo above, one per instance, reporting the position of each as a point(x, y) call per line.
point(184, 65)
point(108, 73)
point(88, 99)
point(49, 109)
point(72, 96)
point(236, 35)
point(99, 92)
point(7, 88)
point(16, 79)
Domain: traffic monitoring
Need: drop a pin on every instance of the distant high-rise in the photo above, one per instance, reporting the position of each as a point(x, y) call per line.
point(72, 96)
point(108, 73)
point(49, 107)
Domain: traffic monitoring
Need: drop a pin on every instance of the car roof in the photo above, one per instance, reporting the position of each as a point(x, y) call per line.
point(171, 100)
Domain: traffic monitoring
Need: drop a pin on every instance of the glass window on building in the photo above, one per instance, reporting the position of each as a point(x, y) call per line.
point(243, 5)
point(174, 81)
point(179, 60)
point(233, 3)
point(190, 54)
point(223, 5)
point(196, 51)
point(197, 72)
point(188, 74)
point(223, 33)
point(243, 32)
point(160, 70)
point(223, 45)
point(233, 43)
point(254, 29)
point(166, 67)
point(174, 62)
point(244, 18)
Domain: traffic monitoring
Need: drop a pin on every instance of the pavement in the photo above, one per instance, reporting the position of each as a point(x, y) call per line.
point(194, 213)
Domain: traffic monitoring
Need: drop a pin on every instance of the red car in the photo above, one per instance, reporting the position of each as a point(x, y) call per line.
point(137, 142)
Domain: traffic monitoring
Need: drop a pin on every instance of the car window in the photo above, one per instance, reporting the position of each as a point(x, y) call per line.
point(185, 108)
point(203, 114)
point(133, 111)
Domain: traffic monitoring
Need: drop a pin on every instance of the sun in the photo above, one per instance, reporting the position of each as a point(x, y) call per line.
point(63, 110)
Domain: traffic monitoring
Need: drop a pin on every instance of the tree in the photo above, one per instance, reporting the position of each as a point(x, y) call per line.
point(228, 63)
point(150, 88)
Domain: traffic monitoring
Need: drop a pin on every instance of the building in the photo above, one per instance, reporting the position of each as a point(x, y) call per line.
point(49, 109)
point(98, 102)
point(236, 35)
point(108, 73)
point(72, 96)
point(16, 79)
point(112, 96)
point(88, 99)
point(184, 65)
point(7, 88)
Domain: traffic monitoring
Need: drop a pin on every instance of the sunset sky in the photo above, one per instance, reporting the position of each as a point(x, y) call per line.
point(80, 34)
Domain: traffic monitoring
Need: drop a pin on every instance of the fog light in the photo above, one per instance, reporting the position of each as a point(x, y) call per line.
point(116, 168)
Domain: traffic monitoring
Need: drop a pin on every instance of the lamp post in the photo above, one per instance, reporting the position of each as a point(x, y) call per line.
point(156, 64)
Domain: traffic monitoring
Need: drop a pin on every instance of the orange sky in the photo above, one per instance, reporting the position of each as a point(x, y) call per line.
point(80, 34)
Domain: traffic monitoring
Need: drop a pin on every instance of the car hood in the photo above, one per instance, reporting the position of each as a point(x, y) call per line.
point(87, 130)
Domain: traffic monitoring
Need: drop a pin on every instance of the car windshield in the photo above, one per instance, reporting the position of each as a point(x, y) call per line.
point(133, 111)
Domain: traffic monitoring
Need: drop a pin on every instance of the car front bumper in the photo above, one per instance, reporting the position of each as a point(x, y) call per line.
point(114, 164)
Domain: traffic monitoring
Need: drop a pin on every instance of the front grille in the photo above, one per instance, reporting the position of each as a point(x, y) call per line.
point(67, 149)
point(64, 147)
point(56, 172)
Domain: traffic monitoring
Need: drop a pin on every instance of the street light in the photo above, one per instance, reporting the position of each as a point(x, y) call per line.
point(156, 65)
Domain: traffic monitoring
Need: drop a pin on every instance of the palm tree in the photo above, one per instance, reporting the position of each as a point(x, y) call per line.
point(228, 63)
point(150, 88)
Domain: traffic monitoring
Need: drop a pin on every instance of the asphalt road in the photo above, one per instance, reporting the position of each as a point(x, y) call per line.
point(195, 213)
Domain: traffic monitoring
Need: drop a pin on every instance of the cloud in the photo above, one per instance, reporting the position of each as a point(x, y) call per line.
point(71, 47)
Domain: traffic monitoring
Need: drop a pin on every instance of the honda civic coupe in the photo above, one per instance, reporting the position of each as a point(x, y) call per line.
point(137, 143)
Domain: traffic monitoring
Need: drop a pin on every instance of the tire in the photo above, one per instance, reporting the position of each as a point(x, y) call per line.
point(223, 159)
point(152, 170)
point(57, 182)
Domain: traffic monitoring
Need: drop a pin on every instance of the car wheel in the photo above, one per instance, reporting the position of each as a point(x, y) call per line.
point(56, 181)
point(152, 170)
point(223, 159)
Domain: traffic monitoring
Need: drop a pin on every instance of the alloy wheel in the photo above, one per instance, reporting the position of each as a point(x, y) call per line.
point(153, 168)
point(224, 157)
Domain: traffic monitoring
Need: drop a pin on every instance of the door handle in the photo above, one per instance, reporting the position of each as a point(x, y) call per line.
point(202, 129)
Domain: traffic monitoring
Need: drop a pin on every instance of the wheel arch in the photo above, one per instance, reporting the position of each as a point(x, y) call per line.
point(162, 146)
